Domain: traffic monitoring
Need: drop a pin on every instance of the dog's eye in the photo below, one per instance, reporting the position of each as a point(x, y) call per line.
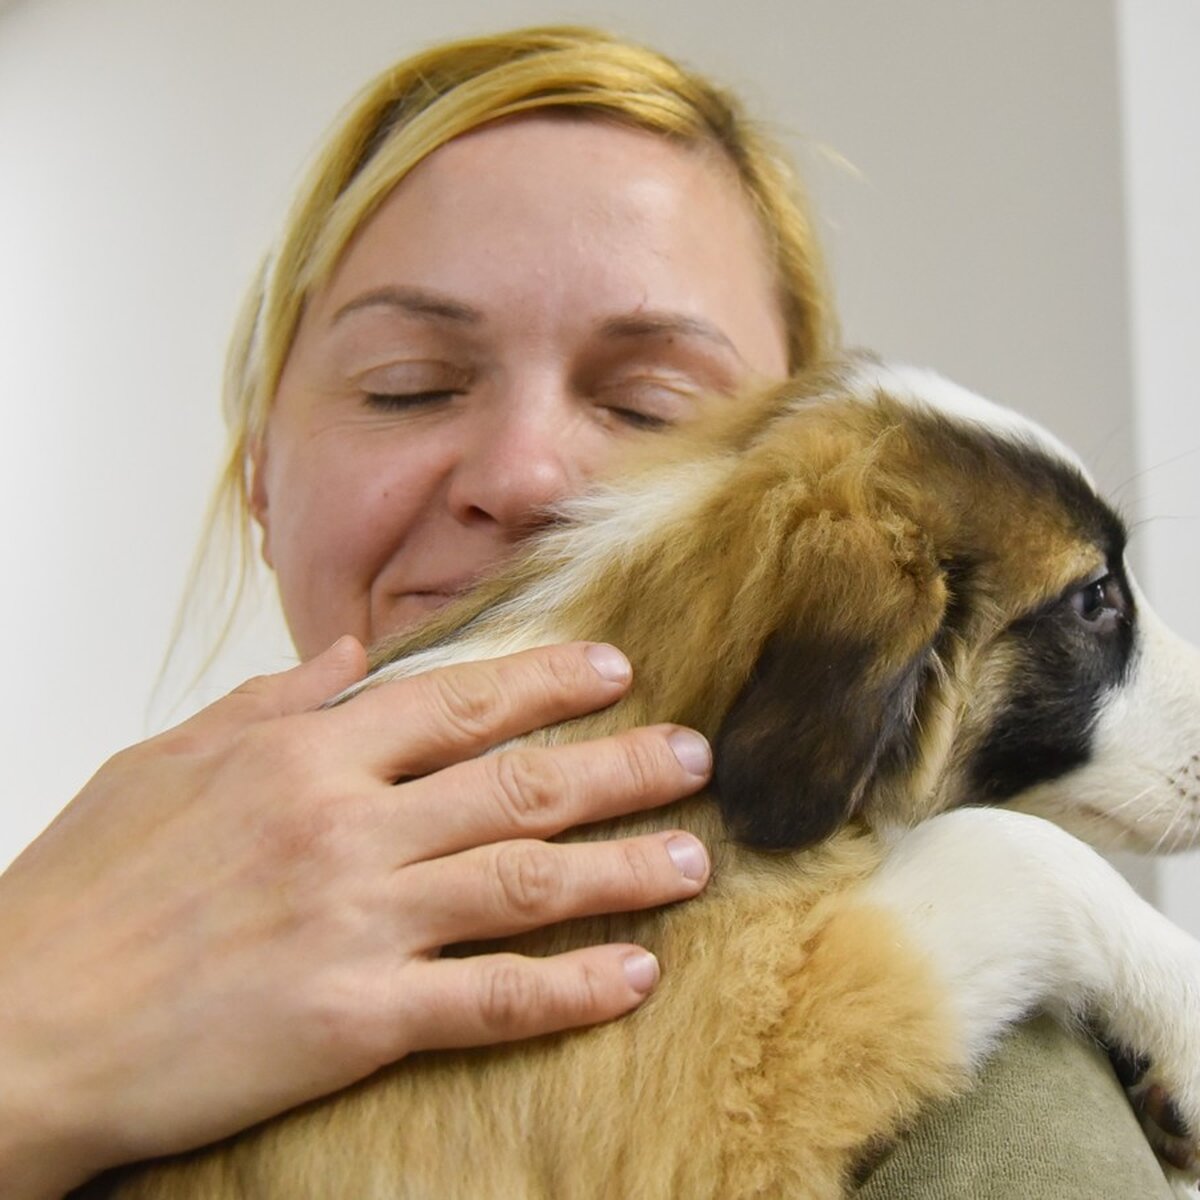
point(1102, 604)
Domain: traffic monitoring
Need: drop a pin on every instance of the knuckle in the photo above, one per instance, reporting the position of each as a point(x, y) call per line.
point(301, 809)
point(255, 687)
point(590, 992)
point(182, 742)
point(340, 1021)
point(268, 741)
point(256, 698)
point(288, 747)
point(329, 1010)
point(530, 786)
point(252, 706)
point(561, 670)
point(132, 758)
point(300, 832)
point(294, 826)
point(642, 764)
point(467, 701)
point(529, 878)
point(269, 752)
point(640, 864)
point(639, 868)
point(195, 738)
point(513, 997)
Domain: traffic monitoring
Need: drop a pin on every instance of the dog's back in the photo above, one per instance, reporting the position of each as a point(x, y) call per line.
point(827, 590)
point(789, 1030)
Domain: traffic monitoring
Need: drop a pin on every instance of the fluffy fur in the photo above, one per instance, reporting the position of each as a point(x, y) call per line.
point(882, 599)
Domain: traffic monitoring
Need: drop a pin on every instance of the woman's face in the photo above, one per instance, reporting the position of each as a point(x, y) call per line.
point(528, 298)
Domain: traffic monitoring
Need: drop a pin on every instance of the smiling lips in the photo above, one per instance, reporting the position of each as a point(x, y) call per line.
point(408, 609)
point(438, 596)
point(434, 599)
point(411, 602)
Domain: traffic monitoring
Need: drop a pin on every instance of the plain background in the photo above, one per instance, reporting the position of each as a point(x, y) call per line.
point(1009, 192)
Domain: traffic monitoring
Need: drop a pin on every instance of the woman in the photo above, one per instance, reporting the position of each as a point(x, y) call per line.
point(516, 251)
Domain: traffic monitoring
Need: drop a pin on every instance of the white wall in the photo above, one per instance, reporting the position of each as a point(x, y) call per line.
point(147, 149)
point(1160, 40)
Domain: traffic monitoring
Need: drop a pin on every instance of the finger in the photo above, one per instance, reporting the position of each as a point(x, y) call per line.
point(502, 997)
point(303, 687)
point(536, 792)
point(309, 684)
point(517, 886)
point(418, 725)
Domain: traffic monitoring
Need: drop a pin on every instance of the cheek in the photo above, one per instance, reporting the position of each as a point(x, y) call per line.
point(334, 521)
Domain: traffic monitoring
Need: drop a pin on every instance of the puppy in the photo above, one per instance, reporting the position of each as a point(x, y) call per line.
point(886, 602)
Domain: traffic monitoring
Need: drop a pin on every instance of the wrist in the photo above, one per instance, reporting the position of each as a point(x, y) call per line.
point(35, 1162)
point(40, 1157)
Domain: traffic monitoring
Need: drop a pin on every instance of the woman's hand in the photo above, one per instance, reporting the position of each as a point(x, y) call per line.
point(246, 912)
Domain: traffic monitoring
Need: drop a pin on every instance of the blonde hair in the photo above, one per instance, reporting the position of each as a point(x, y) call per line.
point(403, 116)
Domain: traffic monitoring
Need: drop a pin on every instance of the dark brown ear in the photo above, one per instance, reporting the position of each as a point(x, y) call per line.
point(819, 718)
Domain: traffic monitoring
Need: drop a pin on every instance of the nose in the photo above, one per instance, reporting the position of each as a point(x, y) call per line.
point(521, 456)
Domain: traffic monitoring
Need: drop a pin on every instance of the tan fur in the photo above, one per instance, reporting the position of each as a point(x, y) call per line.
point(710, 1091)
point(794, 1027)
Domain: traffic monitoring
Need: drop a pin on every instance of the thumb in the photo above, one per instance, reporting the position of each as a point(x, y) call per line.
point(305, 686)
point(309, 684)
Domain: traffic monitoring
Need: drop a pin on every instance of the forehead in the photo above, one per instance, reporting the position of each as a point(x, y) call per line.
point(570, 138)
point(576, 214)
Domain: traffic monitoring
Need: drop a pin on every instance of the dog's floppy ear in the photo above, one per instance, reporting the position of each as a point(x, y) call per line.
point(830, 704)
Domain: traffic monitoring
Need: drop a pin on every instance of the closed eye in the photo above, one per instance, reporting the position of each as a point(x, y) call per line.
point(402, 401)
point(647, 402)
point(640, 420)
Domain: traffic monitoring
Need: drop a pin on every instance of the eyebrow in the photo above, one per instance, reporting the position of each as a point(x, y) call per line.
point(656, 324)
point(416, 302)
point(420, 302)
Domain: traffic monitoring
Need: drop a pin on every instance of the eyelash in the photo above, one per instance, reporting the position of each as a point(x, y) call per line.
point(640, 420)
point(397, 402)
point(407, 401)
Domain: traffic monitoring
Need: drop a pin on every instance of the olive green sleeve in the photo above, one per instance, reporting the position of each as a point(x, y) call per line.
point(1047, 1121)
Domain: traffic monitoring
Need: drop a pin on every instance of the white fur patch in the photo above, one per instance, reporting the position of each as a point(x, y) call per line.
point(1016, 914)
point(922, 387)
point(1141, 788)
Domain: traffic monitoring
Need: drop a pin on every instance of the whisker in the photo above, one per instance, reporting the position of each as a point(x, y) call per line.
point(1134, 800)
point(1172, 825)
point(1141, 474)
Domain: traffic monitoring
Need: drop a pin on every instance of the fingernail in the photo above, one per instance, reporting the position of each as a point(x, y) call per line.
point(609, 662)
point(641, 970)
point(692, 751)
point(688, 855)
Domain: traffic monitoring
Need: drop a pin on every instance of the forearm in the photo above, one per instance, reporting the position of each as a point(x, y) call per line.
point(32, 1173)
point(39, 1160)
point(53, 1122)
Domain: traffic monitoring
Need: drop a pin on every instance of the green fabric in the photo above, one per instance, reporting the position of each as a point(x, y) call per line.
point(1047, 1121)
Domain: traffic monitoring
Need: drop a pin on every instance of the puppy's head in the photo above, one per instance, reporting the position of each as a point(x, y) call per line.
point(954, 624)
